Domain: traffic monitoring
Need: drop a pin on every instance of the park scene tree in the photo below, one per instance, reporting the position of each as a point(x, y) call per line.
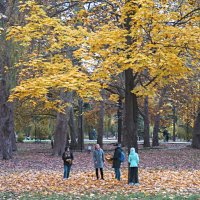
point(77, 73)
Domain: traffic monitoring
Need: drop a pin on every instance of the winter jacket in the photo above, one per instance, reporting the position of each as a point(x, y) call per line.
point(116, 158)
point(98, 157)
point(67, 158)
point(133, 158)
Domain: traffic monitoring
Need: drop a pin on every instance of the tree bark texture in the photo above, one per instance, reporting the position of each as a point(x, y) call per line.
point(196, 132)
point(174, 122)
point(155, 141)
point(61, 130)
point(72, 128)
point(119, 120)
point(7, 135)
point(100, 130)
point(146, 122)
point(80, 125)
point(131, 111)
point(131, 106)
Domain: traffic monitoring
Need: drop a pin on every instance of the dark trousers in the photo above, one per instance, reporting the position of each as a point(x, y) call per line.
point(117, 173)
point(133, 175)
point(97, 174)
point(67, 171)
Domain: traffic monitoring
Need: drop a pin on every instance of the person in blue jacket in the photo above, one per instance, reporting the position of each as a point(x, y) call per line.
point(98, 157)
point(133, 160)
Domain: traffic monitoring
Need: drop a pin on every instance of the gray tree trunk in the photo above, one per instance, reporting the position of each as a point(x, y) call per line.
point(131, 105)
point(80, 125)
point(72, 128)
point(155, 141)
point(8, 143)
point(120, 120)
point(100, 129)
point(5, 132)
point(61, 130)
point(131, 112)
point(174, 122)
point(60, 135)
point(196, 132)
point(146, 122)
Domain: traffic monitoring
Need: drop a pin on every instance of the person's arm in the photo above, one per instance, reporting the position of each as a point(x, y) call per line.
point(103, 158)
point(138, 159)
point(115, 155)
point(94, 156)
point(129, 158)
point(63, 156)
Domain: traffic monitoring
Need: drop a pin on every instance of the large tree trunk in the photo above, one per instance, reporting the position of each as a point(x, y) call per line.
point(11, 128)
point(174, 122)
point(100, 129)
point(6, 129)
point(72, 128)
point(5, 132)
point(131, 111)
point(196, 132)
point(119, 120)
point(60, 134)
point(6, 109)
point(155, 141)
point(80, 125)
point(146, 122)
point(131, 106)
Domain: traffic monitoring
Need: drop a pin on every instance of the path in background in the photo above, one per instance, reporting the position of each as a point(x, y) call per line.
point(39, 157)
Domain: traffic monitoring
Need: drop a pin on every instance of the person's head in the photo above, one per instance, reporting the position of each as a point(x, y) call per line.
point(97, 146)
point(119, 145)
point(67, 148)
point(132, 150)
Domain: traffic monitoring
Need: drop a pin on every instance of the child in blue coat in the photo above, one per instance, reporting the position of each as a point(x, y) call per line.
point(133, 160)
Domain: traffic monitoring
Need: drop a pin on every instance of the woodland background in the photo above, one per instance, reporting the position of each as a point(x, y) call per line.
point(127, 68)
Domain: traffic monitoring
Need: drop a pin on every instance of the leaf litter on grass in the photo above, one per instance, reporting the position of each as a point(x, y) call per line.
point(34, 169)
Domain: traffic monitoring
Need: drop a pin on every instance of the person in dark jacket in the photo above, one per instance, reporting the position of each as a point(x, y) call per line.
point(98, 157)
point(116, 162)
point(67, 159)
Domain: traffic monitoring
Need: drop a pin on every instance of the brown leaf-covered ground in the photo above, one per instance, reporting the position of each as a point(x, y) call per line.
point(172, 168)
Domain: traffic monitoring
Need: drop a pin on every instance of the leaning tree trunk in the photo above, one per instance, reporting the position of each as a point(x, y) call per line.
point(100, 129)
point(196, 132)
point(146, 122)
point(155, 141)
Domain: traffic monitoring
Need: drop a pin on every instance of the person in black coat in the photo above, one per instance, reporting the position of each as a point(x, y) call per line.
point(67, 159)
point(116, 162)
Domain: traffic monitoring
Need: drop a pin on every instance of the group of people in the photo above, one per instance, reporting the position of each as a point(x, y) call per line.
point(99, 163)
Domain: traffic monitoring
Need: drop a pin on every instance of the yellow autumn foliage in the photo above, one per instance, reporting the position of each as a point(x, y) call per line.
point(160, 39)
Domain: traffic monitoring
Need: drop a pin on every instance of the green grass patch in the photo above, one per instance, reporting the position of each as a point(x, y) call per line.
point(112, 196)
